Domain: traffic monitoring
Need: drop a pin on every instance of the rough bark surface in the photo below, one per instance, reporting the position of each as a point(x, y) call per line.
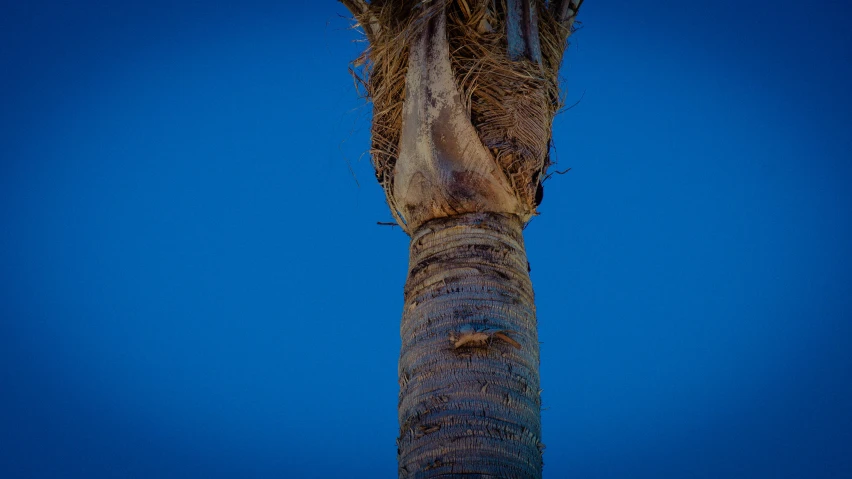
point(469, 403)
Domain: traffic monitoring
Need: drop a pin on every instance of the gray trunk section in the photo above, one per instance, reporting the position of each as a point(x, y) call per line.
point(469, 403)
point(522, 30)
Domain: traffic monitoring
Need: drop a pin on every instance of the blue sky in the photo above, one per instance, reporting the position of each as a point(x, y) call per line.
point(193, 284)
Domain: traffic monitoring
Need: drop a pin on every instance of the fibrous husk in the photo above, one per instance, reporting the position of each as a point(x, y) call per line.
point(511, 103)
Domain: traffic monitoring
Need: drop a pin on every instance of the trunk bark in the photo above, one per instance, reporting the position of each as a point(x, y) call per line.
point(469, 401)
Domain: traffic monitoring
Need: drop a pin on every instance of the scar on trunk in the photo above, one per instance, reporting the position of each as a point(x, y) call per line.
point(481, 338)
point(429, 429)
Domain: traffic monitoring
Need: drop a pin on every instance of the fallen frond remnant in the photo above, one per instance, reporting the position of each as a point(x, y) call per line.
point(470, 337)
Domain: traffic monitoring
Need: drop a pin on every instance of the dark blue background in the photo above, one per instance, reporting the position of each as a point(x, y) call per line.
point(193, 284)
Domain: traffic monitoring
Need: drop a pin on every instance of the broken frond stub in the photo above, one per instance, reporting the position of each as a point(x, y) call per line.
point(471, 337)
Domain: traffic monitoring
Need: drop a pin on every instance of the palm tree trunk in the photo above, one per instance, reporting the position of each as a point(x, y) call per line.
point(469, 384)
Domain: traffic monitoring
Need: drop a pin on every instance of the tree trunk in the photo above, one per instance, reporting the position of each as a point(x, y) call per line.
point(469, 400)
point(464, 93)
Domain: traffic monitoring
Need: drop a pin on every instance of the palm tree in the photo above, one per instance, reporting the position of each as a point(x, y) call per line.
point(464, 93)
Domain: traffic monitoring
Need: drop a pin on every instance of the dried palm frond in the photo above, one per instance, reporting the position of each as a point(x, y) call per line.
point(511, 103)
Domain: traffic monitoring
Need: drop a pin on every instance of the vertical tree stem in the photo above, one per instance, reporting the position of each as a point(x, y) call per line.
point(469, 383)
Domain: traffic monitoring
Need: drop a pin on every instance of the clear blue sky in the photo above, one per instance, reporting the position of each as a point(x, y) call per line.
point(192, 283)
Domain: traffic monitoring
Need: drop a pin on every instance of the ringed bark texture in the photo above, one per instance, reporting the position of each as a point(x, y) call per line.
point(469, 401)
